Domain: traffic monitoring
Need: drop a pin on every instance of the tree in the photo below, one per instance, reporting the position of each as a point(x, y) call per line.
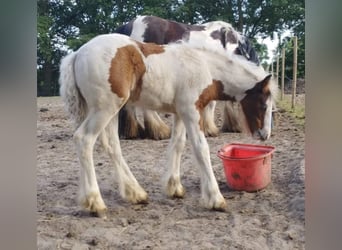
point(287, 43)
point(297, 26)
point(45, 54)
point(66, 25)
point(52, 33)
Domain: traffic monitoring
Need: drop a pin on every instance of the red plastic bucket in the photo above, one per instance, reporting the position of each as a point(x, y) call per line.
point(247, 167)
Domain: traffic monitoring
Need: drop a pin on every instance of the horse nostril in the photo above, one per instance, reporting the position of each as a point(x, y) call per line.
point(263, 136)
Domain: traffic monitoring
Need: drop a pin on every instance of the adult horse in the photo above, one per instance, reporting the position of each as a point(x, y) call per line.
point(111, 70)
point(161, 31)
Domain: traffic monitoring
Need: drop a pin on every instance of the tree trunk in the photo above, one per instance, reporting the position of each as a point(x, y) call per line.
point(240, 16)
point(229, 11)
point(47, 79)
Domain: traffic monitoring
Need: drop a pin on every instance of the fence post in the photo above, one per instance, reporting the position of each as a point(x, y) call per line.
point(267, 68)
point(294, 81)
point(282, 73)
point(277, 71)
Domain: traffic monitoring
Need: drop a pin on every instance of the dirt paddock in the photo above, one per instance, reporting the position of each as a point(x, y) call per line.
point(272, 218)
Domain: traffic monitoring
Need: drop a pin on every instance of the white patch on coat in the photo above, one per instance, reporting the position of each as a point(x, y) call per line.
point(218, 25)
point(265, 132)
point(93, 62)
point(139, 28)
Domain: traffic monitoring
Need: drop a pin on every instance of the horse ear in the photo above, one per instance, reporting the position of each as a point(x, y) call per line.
point(223, 32)
point(267, 78)
point(260, 86)
point(264, 83)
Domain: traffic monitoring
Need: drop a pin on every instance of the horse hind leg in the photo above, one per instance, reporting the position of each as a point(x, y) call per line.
point(129, 126)
point(84, 139)
point(209, 126)
point(155, 128)
point(129, 187)
point(230, 118)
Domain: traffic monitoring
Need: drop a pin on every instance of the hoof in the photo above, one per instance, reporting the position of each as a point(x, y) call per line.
point(179, 193)
point(175, 189)
point(157, 131)
point(94, 204)
point(135, 196)
point(216, 204)
point(142, 200)
point(101, 214)
point(221, 206)
point(230, 129)
point(212, 132)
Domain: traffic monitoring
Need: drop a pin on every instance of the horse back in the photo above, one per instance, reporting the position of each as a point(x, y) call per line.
point(158, 30)
point(163, 31)
point(125, 29)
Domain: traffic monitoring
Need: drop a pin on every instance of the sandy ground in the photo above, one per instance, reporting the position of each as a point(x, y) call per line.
point(272, 218)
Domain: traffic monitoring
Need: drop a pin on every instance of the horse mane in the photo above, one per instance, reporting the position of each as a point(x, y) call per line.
point(257, 71)
point(217, 24)
point(221, 52)
point(274, 89)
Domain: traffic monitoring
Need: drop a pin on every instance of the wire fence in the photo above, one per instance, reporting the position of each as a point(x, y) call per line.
point(276, 72)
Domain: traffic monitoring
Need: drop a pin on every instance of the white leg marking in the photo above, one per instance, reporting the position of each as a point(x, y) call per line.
point(211, 195)
point(155, 128)
point(84, 138)
point(172, 181)
point(128, 185)
point(210, 128)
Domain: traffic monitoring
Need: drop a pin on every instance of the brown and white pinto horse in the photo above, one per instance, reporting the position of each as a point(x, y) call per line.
point(161, 31)
point(111, 70)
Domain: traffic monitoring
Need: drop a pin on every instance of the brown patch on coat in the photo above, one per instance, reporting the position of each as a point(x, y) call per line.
point(254, 104)
point(126, 71)
point(150, 48)
point(224, 36)
point(231, 37)
point(213, 92)
point(162, 31)
point(219, 35)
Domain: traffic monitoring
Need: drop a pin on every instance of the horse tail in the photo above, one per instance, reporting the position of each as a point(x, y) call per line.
point(125, 29)
point(74, 102)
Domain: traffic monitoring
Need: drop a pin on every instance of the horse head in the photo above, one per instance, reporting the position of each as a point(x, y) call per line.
point(257, 108)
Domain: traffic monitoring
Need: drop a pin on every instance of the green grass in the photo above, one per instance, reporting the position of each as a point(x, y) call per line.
point(298, 112)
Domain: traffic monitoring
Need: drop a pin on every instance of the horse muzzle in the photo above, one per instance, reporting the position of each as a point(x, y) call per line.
point(262, 134)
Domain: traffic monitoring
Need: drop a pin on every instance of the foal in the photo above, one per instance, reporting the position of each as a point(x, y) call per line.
point(161, 31)
point(111, 70)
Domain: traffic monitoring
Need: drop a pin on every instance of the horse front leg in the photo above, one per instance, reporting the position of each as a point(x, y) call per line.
point(210, 193)
point(173, 186)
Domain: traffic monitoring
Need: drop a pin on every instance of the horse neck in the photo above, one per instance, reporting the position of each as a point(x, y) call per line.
point(234, 73)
